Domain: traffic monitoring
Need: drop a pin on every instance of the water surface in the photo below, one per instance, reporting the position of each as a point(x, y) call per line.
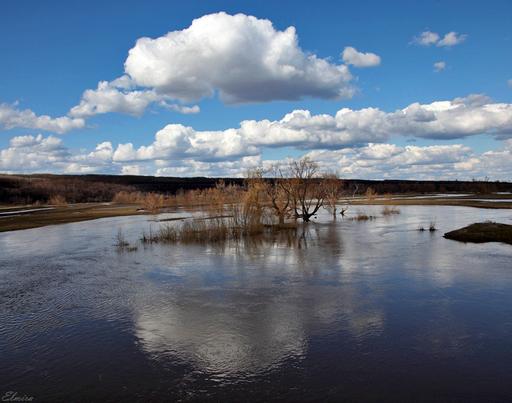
point(342, 310)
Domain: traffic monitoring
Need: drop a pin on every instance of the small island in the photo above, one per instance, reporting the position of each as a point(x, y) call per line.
point(482, 232)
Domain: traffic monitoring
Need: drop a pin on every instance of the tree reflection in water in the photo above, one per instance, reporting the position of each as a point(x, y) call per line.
point(270, 299)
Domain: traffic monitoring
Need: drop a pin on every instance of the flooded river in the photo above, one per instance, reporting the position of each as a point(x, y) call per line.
point(364, 311)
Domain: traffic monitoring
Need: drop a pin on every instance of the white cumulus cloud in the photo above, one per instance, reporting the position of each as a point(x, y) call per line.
point(121, 96)
point(110, 98)
point(242, 57)
point(457, 118)
point(176, 141)
point(30, 153)
point(355, 142)
point(384, 160)
point(12, 117)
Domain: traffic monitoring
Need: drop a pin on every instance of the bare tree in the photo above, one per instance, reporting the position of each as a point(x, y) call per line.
point(278, 192)
point(331, 184)
point(253, 200)
point(370, 193)
point(304, 188)
point(349, 196)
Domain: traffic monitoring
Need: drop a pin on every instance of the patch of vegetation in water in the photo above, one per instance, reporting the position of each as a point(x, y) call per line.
point(387, 211)
point(482, 232)
point(362, 216)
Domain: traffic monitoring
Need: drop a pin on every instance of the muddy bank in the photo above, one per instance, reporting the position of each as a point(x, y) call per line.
point(482, 232)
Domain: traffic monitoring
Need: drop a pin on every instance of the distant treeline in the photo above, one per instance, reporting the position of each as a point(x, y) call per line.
point(40, 188)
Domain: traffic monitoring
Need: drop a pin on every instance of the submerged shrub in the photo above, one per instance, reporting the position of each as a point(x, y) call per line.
point(431, 227)
point(121, 242)
point(231, 223)
point(386, 211)
point(362, 216)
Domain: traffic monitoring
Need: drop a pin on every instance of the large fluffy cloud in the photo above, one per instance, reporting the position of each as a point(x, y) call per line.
point(12, 117)
point(242, 57)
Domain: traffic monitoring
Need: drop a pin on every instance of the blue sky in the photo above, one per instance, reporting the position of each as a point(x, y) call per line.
point(54, 51)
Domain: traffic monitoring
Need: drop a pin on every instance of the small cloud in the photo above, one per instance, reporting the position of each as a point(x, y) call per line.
point(439, 66)
point(509, 82)
point(186, 110)
point(428, 38)
point(452, 39)
point(352, 56)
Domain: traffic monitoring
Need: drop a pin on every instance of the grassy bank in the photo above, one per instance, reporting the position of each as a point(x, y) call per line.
point(482, 232)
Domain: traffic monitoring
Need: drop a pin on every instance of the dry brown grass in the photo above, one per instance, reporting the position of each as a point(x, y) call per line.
point(125, 197)
point(148, 201)
point(235, 222)
point(370, 194)
point(362, 216)
point(57, 200)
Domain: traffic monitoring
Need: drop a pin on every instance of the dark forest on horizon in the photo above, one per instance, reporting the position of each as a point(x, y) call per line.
point(39, 188)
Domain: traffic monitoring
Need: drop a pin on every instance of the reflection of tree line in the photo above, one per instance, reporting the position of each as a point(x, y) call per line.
point(275, 292)
point(308, 246)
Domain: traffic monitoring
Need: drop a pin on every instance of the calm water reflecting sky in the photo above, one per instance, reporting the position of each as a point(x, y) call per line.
point(363, 310)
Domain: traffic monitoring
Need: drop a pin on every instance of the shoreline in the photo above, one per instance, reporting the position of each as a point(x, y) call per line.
point(63, 215)
point(53, 215)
